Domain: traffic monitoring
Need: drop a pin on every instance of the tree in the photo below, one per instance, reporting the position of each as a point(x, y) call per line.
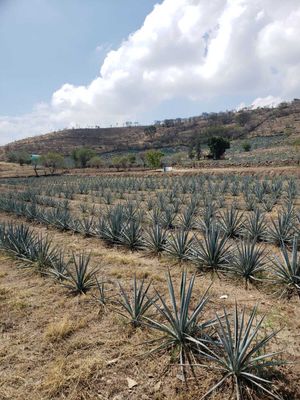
point(21, 157)
point(198, 148)
point(124, 162)
point(243, 118)
point(191, 153)
point(95, 162)
point(120, 162)
point(150, 131)
point(142, 157)
point(153, 158)
point(35, 162)
point(82, 155)
point(217, 146)
point(246, 146)
point(131, 159)
point(52, 161)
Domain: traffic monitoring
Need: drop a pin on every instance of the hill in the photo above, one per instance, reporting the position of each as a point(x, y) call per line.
point(278, 126)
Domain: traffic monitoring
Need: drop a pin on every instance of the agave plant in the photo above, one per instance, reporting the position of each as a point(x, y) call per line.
point(213, 252)
point(112, 224)
point(81, 280)
point(18, 240)
point(187, 217)
point(60, 218)
point(168, 217)
point(131, 235)
point(231, 222)
point(179, 245)
point(85, 226)
point(181, 321)
point(101, 298)
point(136, 304)
point(268, 203)
point(250, 202)
point(240, 354)
point(286, 271)
point(58, 268)
point(42, 254)
point(248, 262)
point(255, 227)
point(155, 216)
point(156, 239)
point(281, 230)
point(208, 217)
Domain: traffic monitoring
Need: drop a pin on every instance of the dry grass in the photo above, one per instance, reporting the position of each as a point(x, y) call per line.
point(62, 329)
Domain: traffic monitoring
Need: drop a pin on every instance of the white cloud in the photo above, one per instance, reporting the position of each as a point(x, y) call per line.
point(268, 101)
point(190, 49)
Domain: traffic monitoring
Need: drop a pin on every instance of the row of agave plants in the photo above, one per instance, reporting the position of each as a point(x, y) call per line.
point(214, 251)
point(223, 183)
point(172, 200)
point(172, 191)
point(233, 344)
point(232, 222)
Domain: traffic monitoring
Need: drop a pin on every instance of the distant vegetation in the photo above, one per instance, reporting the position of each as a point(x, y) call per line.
point(188, 142)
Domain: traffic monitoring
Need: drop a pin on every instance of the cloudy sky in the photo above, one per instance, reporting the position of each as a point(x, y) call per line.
point(67, 63)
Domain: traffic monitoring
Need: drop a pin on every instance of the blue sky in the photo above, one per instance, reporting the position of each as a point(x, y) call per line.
point(66, 63)
point(46, 43)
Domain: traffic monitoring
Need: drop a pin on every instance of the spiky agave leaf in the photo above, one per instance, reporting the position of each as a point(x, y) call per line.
point(85, 226)
point(179, 245)
point(181, 321)
point(187, 217)
point(135, 305)
point(59, 267)
point(240, 353)
point(286, 271)
point(255, 226)
point(281, 230)
point(131, 235)
point(231, 222)
point(248, 261)
point(207, 217)
point(168, 217)
point(213, 252)
point(111, 225)
point(42, 253)
point(101, 298)
point(18, 240)
point(156, 239)
point(81, 280)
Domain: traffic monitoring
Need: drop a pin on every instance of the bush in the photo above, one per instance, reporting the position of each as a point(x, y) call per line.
point(246, 146)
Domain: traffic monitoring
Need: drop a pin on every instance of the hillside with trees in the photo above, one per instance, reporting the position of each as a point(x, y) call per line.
point(247, 130)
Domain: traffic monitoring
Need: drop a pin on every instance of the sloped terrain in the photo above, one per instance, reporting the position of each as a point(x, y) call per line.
point(175, 134)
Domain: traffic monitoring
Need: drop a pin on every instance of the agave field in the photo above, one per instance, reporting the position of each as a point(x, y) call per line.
point(214, 247)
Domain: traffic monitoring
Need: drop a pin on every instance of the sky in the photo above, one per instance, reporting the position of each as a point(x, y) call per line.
point(68, 63)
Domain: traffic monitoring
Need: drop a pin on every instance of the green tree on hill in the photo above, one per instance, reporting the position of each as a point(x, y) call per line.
point(242, 118)
point(53, 161)
point(96, 162)
point(82, 155)
point(153, 158)
point(21, 157)
point(217, 146)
